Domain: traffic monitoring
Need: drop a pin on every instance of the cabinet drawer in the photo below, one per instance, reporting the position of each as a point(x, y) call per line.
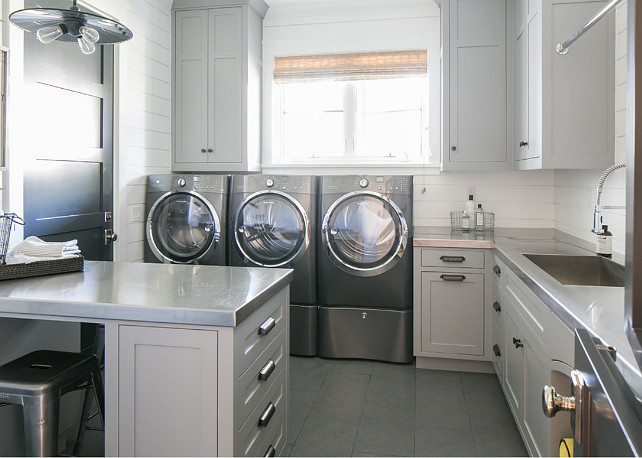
point(275, 438)
point(528, 305)
point(254, 335)
point(452, 258)
point(255, 429)
point(255, 381)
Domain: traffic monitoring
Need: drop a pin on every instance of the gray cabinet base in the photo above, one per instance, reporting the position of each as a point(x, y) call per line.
point(303, 330)
point(365, 333)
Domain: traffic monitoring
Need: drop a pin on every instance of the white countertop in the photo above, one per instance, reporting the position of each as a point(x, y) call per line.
point(160, 293)
point(599, 309)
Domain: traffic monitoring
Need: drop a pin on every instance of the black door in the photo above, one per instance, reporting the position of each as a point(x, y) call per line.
point(271, 229)
point(68, 179)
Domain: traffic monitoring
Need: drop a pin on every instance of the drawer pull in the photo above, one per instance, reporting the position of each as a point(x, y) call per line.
point(267, 370)
point(452, 258)
point(267, 326)
point(517, 342)
point(496, 350)
point(267, 414)
point(271, 451)
point(497, 307)
point(497, 271)
point(446, 277)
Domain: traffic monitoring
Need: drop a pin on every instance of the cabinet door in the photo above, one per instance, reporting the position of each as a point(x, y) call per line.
point(536, 375)
point(452, 313)
point(520, 137)
point(166, 373)
point(514, 384)
point(477, 81)
point(534, 78)
point(225, 94)
point(190, 89)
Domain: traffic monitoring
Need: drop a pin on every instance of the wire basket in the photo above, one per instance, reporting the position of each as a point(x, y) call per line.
point(456, 222)
point(7, 222)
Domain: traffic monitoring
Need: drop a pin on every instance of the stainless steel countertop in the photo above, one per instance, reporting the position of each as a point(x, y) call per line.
point(599, 309)
point(160, 293)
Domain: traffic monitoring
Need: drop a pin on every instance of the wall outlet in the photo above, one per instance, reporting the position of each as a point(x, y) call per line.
point(136, 214)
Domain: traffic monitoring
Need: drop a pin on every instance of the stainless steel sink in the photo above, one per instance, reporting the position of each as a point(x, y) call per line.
point(580, 270)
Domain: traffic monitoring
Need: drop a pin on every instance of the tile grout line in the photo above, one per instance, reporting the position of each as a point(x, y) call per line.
point(470, 424)
point(354, 444)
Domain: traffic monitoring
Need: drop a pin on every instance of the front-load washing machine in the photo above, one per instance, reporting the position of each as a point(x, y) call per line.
point(272, 224)
point(186, 219)
point(365, 267)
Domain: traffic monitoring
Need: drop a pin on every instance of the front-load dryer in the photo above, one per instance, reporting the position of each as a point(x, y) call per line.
point(365, 267)
point(186, 219)
point(273, 224)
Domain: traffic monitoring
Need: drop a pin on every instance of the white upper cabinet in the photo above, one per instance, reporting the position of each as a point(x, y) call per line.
point(217, 79)
point(474, 93)
point(563, 105)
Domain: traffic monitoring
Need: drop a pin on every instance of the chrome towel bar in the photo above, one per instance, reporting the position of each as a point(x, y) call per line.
point(562, 48)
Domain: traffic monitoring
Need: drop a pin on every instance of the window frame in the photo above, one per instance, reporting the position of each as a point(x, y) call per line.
point(4, 90)
point(349, 156)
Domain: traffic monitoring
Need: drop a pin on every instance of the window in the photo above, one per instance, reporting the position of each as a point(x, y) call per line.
point(368, 108)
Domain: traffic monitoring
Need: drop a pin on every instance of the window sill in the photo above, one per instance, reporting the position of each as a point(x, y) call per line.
point(356, 169)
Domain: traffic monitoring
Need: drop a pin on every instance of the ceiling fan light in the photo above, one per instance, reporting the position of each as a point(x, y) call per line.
point(49, 34)
point(90, 34)
point(86, 46)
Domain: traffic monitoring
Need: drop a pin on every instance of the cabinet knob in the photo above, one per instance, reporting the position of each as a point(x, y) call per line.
point(517, 342)
point(267, 326)
point(496, 350)
point(553, 402)
point(210, 150)
point(203, 150)
point(497, 307)
point(523, 144)
point(446, 277)
point(452, 258)
point(497, 271)
point(454, 148)
point(267, 414)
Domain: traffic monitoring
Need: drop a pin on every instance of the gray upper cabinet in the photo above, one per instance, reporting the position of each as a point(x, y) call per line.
point(474, 85)
point(563, 105)
point(217, 85)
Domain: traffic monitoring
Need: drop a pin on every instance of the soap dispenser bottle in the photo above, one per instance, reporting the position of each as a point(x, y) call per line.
point(470, 210)
point(604, 243)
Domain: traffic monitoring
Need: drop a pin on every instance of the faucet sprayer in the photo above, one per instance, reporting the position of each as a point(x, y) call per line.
point(597, 214)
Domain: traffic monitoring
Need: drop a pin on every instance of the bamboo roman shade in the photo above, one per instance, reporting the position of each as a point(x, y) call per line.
point(349, 67)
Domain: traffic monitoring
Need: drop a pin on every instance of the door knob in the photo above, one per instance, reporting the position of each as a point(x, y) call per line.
point(553, 402)
point(110, 236)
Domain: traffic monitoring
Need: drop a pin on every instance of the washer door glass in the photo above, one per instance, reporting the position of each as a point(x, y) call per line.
point(184, 228)
point(271, 230)
point(363, 232)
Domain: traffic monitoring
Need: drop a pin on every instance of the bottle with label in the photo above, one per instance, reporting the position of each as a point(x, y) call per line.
point(465, 221)
point(470, 209)
point(604, 243)
point(479, 218)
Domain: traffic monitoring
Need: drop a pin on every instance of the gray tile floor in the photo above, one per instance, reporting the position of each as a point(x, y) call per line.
point(365, 408)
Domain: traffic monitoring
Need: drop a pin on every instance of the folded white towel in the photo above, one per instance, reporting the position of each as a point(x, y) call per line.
point(35, 247)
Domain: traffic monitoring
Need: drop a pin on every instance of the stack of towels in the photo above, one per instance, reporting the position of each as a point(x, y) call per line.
point(34, 249)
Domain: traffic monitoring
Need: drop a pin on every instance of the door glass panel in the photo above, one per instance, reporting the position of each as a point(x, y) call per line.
point(183, 226)
point(364, 231)
point(270, 229)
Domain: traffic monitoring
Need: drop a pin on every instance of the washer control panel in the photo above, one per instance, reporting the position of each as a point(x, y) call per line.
point(287, 183)
point(202, 183)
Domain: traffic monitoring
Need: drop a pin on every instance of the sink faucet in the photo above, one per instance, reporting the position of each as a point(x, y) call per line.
point(597, 214)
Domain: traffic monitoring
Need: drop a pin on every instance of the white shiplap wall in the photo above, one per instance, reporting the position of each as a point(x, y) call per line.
point(142, 112)
point(519, 199)
point(575, 191)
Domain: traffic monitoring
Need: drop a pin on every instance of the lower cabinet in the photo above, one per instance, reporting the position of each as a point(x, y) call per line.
point(452, 315)
point(532, 340)
point(203, 391)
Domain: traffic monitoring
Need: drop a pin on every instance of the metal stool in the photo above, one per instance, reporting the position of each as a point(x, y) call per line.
point(37, 381)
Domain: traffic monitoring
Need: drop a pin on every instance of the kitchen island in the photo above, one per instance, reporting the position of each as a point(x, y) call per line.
point(195, 356)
